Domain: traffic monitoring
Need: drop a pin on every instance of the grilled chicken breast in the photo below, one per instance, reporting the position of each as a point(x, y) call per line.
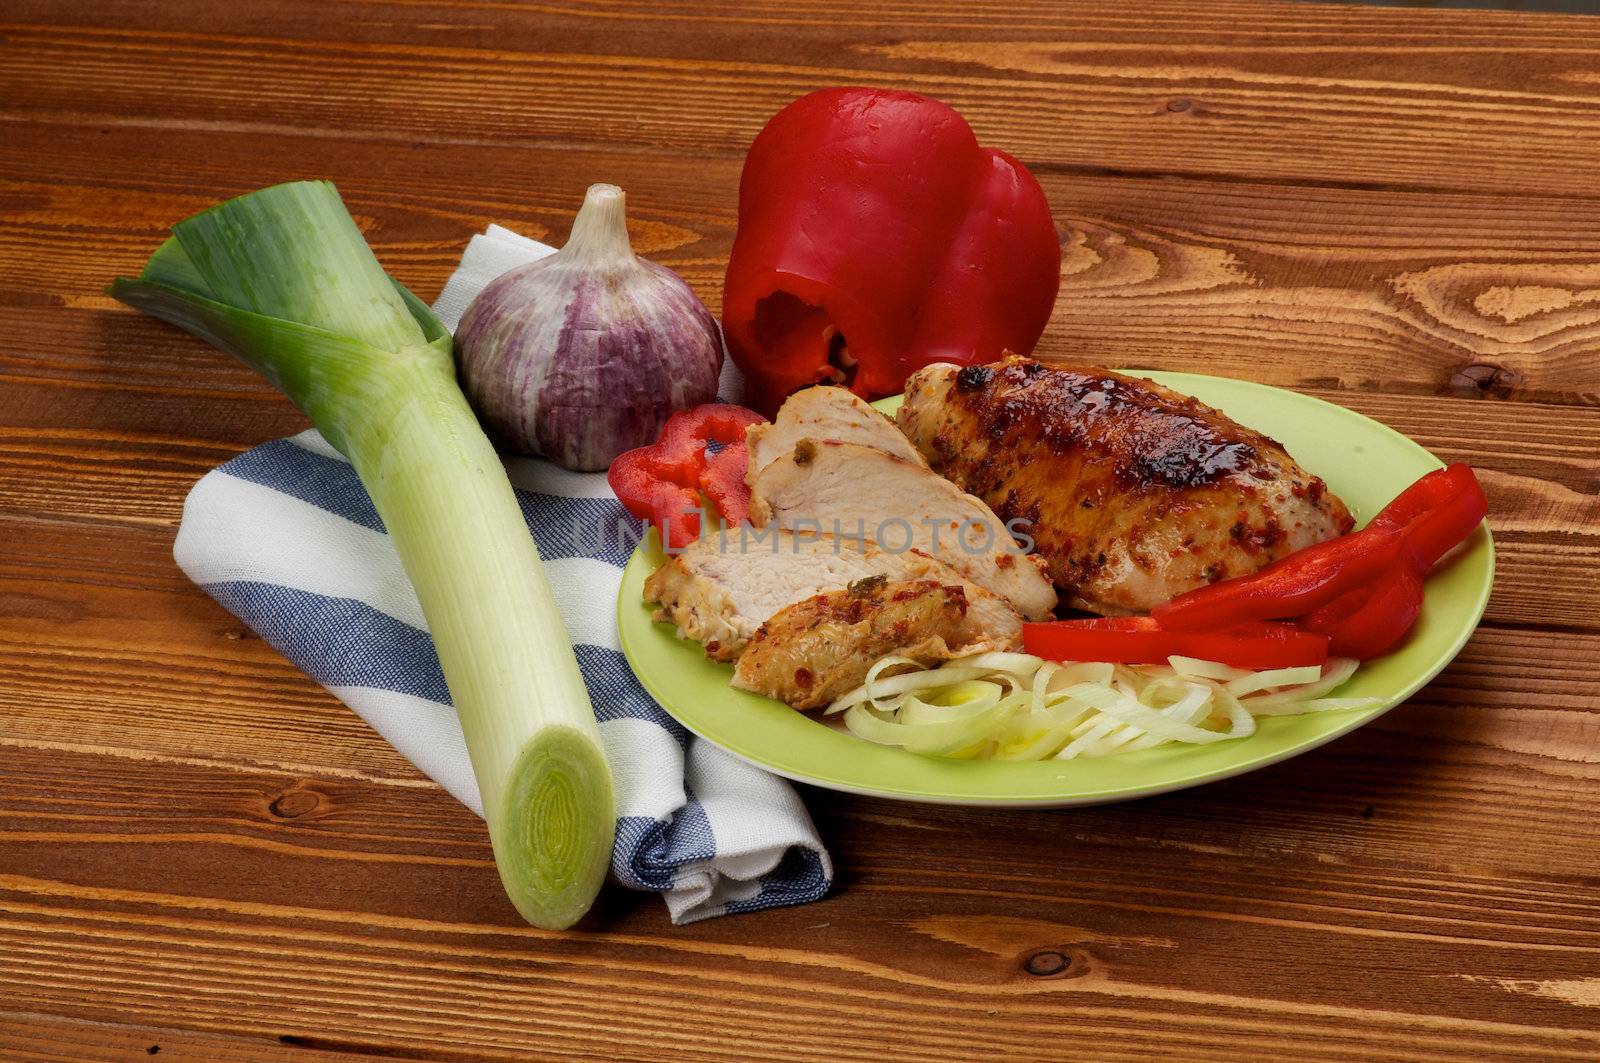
point(825, 413)
point(719, 592)
point(811, 652)
point(1132, 492)
point(848, 489)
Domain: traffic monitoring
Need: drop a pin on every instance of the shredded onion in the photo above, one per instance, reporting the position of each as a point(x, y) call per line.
point(1017, 707)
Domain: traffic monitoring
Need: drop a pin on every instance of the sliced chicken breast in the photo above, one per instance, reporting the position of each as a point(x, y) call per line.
point(848, 489)
point(719, 590)
point(825, 413)
point(811, 652)
point(1132, 492)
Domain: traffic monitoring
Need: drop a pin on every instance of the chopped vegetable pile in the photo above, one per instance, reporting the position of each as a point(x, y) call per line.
point(662, 482)
point(1018, 707)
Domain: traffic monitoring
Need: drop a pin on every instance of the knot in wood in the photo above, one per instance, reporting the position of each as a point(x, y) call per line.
point(1178, 105)
point(294, 804)
point(1485, 380)
point(1046, 962)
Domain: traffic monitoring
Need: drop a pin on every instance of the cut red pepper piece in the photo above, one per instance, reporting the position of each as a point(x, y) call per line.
point(723, 482)
point(1436, 513)
point(682, 443)
point(1291, 586)
point(1372, 621)
point(661, 483)
point(1142, 640)
point(876, 236)
point(1365, 590)
point(641, 487)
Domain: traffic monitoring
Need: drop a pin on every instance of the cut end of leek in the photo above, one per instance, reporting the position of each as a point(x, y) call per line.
point(552, 841)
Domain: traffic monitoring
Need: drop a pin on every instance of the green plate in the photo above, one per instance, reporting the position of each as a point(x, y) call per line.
point(1364, 462)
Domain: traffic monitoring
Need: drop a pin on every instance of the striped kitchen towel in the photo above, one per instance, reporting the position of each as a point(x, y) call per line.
point(285, 537)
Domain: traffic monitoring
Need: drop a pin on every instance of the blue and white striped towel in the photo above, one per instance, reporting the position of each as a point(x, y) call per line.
point(285, 537)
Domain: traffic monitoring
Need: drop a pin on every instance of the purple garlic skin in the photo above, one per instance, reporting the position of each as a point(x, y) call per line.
point(585, 353)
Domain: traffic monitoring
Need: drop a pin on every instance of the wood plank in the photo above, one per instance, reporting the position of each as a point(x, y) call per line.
point(191, 897)
point(1437, 99)
point(1467, 296)
point(107, 645)
point(51, 1039)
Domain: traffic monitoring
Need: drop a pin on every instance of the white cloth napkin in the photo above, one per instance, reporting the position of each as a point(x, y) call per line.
point(286, 538)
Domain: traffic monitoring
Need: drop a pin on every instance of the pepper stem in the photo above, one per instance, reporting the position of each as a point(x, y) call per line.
point(600, 231)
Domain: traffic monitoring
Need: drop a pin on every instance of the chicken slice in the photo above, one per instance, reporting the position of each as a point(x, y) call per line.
point(719, 590)
point(1132, 492)
point(848, 489)
point(811, 652)
point(825, 413)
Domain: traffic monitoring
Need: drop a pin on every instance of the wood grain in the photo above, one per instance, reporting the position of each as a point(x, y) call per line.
point(204, 854)
point(221, 875)
point(1460, 295)
point(51, 1039)
point(1438, 100)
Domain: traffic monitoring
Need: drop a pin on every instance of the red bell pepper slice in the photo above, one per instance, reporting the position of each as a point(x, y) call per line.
point(1142, 640)
point(876, 236)
point(642, 491)
point(1365, 590)
point(1434, 515)
point(1437, 513)
point(661, 482)
point(1290, 586)
point(723, 482)
point(1372, 621)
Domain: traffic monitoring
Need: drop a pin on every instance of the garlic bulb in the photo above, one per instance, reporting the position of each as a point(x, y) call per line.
point(586, 352)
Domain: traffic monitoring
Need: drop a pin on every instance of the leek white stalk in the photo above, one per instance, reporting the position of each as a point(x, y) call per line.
point(283, 279)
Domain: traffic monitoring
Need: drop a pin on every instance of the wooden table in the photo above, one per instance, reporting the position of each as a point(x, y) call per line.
point(204, 855)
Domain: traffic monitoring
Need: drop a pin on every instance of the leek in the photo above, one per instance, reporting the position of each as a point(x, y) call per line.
point(283, 279)
point(1017, 707)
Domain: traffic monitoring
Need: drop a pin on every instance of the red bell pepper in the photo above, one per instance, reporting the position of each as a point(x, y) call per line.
point(1364, 591)
point(661, 482)
point(1372, 621)
point(723, 482)
point(1142, 640)
point(1436, 513)
point(1290, 586)
point(876, 236)
point(1433, 515)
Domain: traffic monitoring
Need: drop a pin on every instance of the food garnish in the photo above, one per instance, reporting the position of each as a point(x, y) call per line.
point(1292, 586)
point(867, 586)
point(1363, 591)
point(1019, 707)
point(662, 482)
point(1142, 640)
point(1436, 513)
point(585, 353)
point(876, 236)
point(283, 279)
point(1370, 621)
